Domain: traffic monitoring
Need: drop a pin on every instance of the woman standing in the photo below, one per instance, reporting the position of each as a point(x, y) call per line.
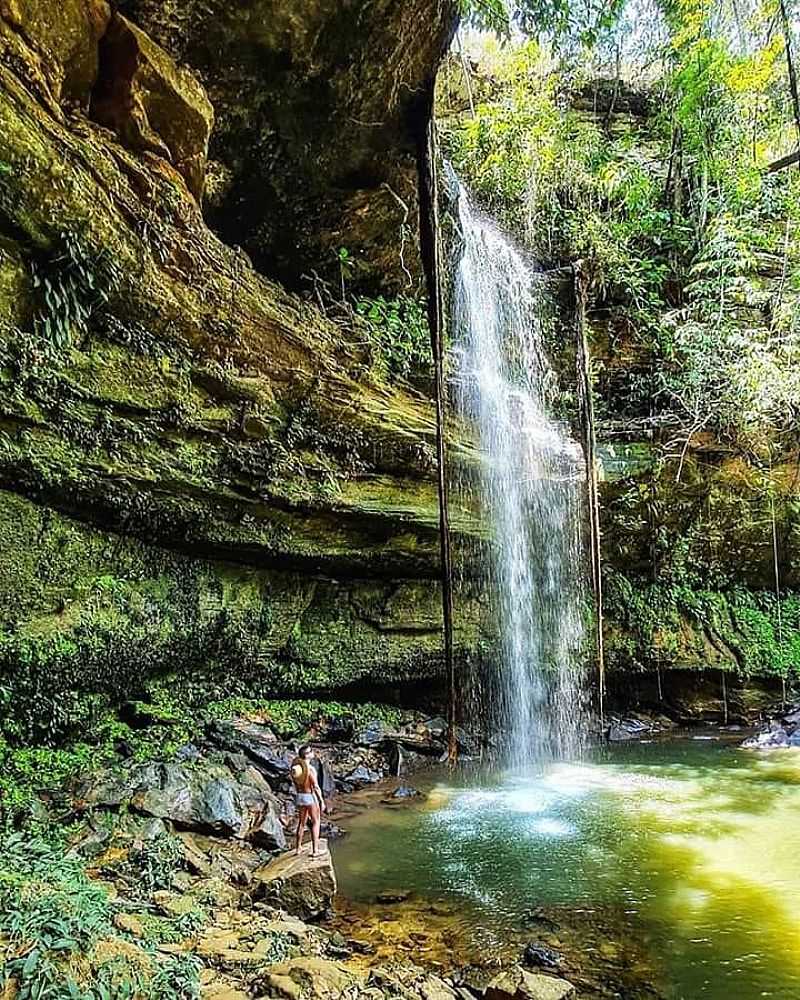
point(310, 803)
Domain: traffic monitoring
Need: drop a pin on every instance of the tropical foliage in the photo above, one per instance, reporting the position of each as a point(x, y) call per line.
point(686, 232)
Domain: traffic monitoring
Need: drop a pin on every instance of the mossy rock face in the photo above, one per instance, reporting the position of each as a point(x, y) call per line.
point(748, 633)
point(695, 696)
point(199, 471)
point(152, 103)
point(706, 521)
point(64, 37)
point(319, 107)
point(88, 614)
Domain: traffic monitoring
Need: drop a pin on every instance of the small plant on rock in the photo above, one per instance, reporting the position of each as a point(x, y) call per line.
point(71, 286)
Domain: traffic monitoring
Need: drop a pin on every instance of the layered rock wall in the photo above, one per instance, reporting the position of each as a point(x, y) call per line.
point(197, 468)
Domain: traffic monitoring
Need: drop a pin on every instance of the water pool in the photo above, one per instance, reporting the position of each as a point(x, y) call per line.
point(694, 843)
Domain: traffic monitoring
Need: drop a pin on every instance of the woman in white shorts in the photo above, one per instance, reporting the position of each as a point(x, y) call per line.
point(310, 803)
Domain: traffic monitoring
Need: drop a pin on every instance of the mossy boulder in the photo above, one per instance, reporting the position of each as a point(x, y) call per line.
point(62, 40)
point(151, 103)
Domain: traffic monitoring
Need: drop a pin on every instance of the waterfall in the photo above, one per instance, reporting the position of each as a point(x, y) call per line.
point(530, 485)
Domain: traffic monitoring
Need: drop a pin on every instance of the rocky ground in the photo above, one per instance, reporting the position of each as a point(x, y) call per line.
point(181, 870)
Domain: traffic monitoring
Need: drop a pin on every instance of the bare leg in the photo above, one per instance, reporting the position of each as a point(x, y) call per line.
point(315, 821)
point(301, 827)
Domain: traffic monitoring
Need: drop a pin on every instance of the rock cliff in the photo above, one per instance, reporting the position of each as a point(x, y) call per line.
point(196, 466)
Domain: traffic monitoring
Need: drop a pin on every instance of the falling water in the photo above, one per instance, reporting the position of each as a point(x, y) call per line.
point(530, 484)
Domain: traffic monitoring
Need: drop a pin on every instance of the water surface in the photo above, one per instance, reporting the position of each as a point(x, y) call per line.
point(695, 843)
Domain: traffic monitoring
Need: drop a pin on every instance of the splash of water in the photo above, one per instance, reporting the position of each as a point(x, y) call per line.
point(530, 485)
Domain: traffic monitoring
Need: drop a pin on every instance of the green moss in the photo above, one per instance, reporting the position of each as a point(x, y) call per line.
point(15, 287)
point(750, 632)
point(88, 619)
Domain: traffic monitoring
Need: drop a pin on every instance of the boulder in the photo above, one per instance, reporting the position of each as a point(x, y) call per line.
point(389, 896)
point(303, 886)
point(325, 777)
point(539, 956)
point(627, 729)
point(362, 776)
point(151, 103)
point(519, 984)
point(372, 734)
point(436, 728)
point(330, 831)
point(310, 977)
point(258, 743)
point(232, 800)
point(62, 39)
point(774, 738)
point(405, 792)
point(617, 734)
point(792, 718)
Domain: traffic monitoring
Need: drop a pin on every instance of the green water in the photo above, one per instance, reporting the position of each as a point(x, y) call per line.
point(694, 841)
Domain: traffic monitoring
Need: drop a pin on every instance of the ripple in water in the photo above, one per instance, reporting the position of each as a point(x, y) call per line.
point(696, 845)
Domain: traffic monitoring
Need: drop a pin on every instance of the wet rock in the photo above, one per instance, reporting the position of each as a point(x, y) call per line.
point(416, 743)
point(774, 738)
point(258, 743)
point(627, 729)
point(204, 796)
point(617, 734)
point(330, 831)
point(361, 947)
point(151, 103)
point(519, 984)
point(337, 947)
point(303, 886)
point(541, 957)
point(405, 792)
point(362, 776)
point(61, 40)
point(372, 734)
point(436, 728)
point(538, 917)
point(389, 896)
point(325, 777)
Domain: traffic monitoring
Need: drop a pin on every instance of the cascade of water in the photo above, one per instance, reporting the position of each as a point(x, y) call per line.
point(531, 485)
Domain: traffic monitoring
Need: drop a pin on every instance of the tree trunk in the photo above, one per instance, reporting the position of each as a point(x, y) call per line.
point(787, 38)
point(590, 450)
point(776, 571)
point(431, 261)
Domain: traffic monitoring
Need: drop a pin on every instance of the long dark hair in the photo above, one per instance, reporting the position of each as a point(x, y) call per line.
point(304, 749)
